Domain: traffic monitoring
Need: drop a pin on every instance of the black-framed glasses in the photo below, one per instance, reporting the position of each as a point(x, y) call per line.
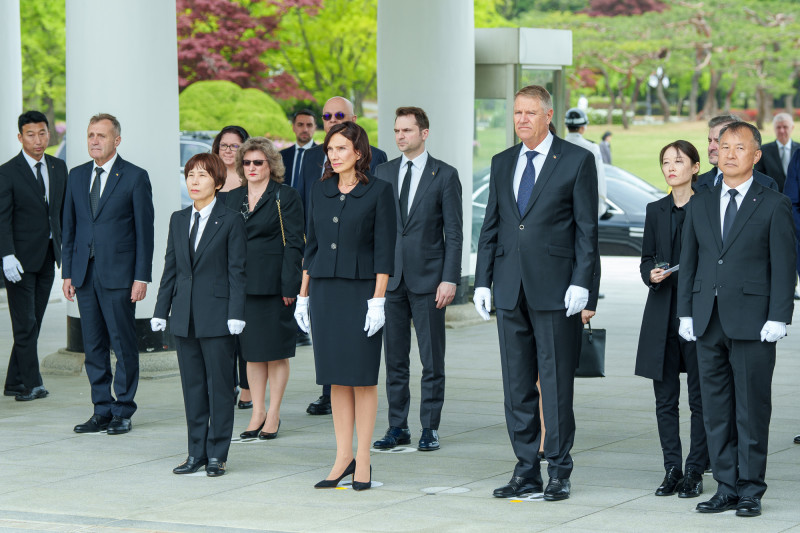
point(256, 162)
point(327, 116)
point(225, 147)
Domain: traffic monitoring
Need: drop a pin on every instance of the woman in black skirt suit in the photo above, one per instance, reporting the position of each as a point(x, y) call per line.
point(662, 353)
point(349, 258)
point(274, 255)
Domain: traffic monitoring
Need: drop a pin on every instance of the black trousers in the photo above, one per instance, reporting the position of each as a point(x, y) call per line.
point(736, 385)
point(27, 301)
point(401, 306)
point(544, 344)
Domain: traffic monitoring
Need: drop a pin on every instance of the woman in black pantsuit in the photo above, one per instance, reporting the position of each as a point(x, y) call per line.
point(349, 258)
point(274, 255)
point(662, 353)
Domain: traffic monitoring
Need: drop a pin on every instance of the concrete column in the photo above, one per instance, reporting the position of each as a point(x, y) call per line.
point(11, 76)
point(426, 58)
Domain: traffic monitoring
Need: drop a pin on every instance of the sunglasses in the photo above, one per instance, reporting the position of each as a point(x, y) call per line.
point(327, 116)
point(256, 162)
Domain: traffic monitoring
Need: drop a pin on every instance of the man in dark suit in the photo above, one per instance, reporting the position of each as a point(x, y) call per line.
point(107, 260)
point(775, 156)
point(335, 111)
point(427, 269)
point(31, 196)
point(538, 245)
point(735, 298)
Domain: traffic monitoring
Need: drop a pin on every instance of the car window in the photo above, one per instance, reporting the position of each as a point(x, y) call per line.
point(630, 198)
point(481, 195)
point(191, 148)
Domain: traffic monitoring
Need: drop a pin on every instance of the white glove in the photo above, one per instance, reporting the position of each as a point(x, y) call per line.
point(301, 313)
point(158, 324)
point(12, 269)
point(686, 329)
point(235, 326)
point(375, 316)
point(483, 301)
point(773, 331)
point(575, 299)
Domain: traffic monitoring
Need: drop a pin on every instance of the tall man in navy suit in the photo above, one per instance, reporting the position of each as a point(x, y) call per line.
point(427, 269)
point(538, 246)
point(107, 260)
point(31, 196)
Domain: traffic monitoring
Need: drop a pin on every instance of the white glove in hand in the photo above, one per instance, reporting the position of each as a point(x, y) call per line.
point(235, 326)
point(375, 316)
point(686, 329)
point(483, 301)
point(158, 324)
point(301, 314)
point(12, 269)
point(773, 331)
point(575, 299)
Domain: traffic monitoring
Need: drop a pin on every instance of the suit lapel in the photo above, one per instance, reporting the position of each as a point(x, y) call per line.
point(425, 180)
point(215, 221)
point(509, 166)
point(750, 203)
point(29, 177)
point(265, 198)
point(182, 235)
point(665, 231)
point(393, 178)
point(712, 210)
point(550, 163)
point(111, 182)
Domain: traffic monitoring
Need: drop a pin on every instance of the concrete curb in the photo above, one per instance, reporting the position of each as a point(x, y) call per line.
point(154, 365)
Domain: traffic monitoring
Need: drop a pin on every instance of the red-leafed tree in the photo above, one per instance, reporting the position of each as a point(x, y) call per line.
point(225, 40)
point(612, 8)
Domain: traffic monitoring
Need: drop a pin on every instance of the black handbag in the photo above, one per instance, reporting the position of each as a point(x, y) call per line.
point(592, 362)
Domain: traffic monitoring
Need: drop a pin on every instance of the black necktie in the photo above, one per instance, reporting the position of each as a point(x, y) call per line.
point(730, 214)
point(40, 179)
point(193, 235)
point(404, 191)
point(526, 183)
point(94, 193)
point(298, 160)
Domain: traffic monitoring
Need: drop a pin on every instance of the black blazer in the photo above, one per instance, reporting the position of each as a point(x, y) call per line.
point(272, 268)
point(350, 235)
point(770, 162)
point(26, 221)
point(212, 290)
point(287, 154)
point(554, 243)
point(428, 248)
point(751, 277)
point(705, 181)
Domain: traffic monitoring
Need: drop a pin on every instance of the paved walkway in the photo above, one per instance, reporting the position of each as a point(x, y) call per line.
point(56, 480)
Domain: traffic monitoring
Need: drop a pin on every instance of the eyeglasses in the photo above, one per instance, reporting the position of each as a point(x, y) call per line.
point(225, 147)
point(256, 162)
point(327, 116)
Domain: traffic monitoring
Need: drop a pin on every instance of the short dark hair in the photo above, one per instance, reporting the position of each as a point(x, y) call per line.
point(736, 127)
point(111, 118)
point(356, 135)
point(419, 115)
point(306, 112)
point(211, 163)
point(684, 147)
point(238, 130)
point(606, 135)
point(32, 117)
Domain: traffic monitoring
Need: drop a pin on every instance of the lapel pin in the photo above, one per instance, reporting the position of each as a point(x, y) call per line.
point(554, 156)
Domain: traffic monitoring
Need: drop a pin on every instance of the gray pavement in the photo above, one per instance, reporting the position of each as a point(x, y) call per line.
point(56, 480)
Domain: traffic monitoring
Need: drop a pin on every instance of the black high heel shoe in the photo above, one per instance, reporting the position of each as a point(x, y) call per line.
point(252, 433)
point(357, 485)
point(332, 483)
point(269, 436)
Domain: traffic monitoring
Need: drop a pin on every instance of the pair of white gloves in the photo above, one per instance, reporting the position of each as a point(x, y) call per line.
point(771, 332)
point(12, 268)
point(374, 322)
point(234, 326)
point(575, 300)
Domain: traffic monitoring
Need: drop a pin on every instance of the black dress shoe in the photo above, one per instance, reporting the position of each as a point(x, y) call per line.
point(557, 489)
point(13, 390)
point(33, 394)
point(215, 467)
point(245, 405)
point(394, 436)
point(119, 425)
point(190, 465)
point(718, 503)
point(358, 485)
point(672, 481)
point(692, 485)
point(303, 339)
point(269, 436)
point(748, 506)
point(797, 439)
point(428, 441)
point(320, 406)
point(94, 425)
point(333, 483)
point(518, 486)
point(251, 434)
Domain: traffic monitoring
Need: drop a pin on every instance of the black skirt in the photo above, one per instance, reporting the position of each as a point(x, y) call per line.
point(343, 354)
point(270, 332)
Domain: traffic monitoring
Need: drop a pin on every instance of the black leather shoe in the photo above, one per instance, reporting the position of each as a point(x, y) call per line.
point(672, 482)
point(33, 394)
point(94, 425)
point(270, 436)
point(797, 439)
point(540, 456)
point(119, 425)
point(190, 465)
point(692, 485)
point(748, 506)
point(244, 405)
point(360, 485)
point(252, 433)
point(557, 489)
point(320, 406)
point(215, 467)
point(428, 441)
point(333, 483)
point(518, 486)
point(13, 390)
point(303, 339)
point(394, 436)
point(718, 503)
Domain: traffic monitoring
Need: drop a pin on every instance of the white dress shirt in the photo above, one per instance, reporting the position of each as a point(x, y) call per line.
point(725, 198)
point(104, 176)
point(417, 166)
point(538, 162)
point(45, 175)
point(204, 214)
